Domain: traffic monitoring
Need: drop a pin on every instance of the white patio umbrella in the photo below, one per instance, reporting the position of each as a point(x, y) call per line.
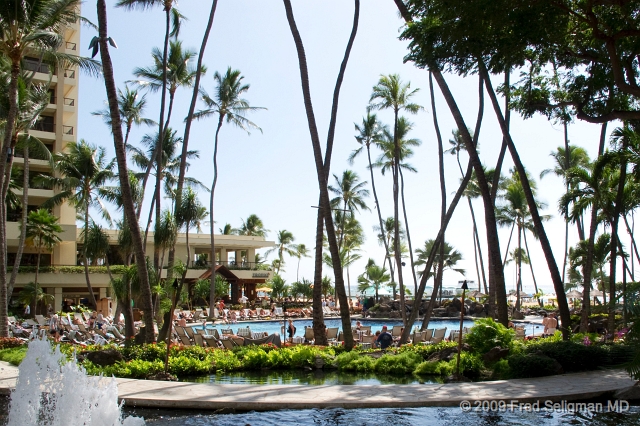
point(574, 294)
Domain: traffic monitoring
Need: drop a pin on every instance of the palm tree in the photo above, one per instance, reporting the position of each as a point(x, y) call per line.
point(387, 161)
point(84, 169)
point(253, 226)
point(42, 234)
point(457, 145)
point(392, 93)
point(228, 105)
point(227, 230)
point(372, 132)
point(374, 276)
point(143, 276)
point(131, 107)
point(566, 159)
point(34, 27)
point(516, 213)
point(300, 251)
point(191, 213)
point(350, 194)
point(601, 250)
point(98, 246)
point(279, 286)
point(284, 245)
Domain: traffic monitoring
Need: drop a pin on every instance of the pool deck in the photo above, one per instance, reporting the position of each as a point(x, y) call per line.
point(181, 395)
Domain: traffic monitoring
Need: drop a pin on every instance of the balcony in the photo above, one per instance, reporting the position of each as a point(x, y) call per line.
point(68, 73)
point(44, 126)
point(71, 46)
point(67, 130)
point(69, 102)
point(235, 266)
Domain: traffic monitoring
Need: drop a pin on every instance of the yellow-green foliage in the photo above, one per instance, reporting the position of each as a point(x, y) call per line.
point(353, 361)
point(470, 364)
point(487, 334)
point(403, 363)
point(188, 366)
point(501, 370)
point(225, 360)
point(13, 355)
point(440, 368)
point(425, 351)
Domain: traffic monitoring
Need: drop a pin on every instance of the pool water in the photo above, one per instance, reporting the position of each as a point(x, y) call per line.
point(272, 327)
point(426, 416)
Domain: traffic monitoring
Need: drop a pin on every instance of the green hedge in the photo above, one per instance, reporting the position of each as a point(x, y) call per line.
point(571, 355)
point(526, 366)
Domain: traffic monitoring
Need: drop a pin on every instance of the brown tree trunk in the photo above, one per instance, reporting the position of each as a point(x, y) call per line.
point(617, 211)
point(92, 297)
point(23, 218)
point(212, 286)
point(322, 166)
point(129, 210)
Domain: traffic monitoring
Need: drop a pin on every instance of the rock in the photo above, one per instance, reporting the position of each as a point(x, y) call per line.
point(439, 312)
point(495, 354)
point(557, 367)
point(448, 353)
point(517, 315)
point(394, 314)
point(452, 312)
point(456, 304)
point(384, 308)
point(632, 393)
point(104, 358)
point(456, 379)
point(478, 309)
point(162, 376)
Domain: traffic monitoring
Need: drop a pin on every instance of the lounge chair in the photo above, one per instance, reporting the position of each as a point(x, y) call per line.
point(237, 341)
point(278, 313)
point(87, 316)
point(41, 321)
point(228, 343)
point(438, 335)
point(366, 329)
point(520, 333)
point(190, 332)
point(332, 333)
point(396, 331)
point(454, 335)
point(368, 339)
point(201, 332)
point(11, 320)
point(340, 337)
point(428, 335)
point(199, 340)
point(183, 336)
point(308, 334)
point(245, 332)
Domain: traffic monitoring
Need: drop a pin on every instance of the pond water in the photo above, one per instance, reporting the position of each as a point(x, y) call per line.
point(427, 416)
point(276, 326)
point(315, 377)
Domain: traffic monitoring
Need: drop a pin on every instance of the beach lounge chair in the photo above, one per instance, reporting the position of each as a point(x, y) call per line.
point(245, 332)
point(228, 344)
point(520, 333)
point(396, 331)
point(199, 340)
point(279, 313)
point(41, 321)
point(368, 339)
point(308, 334)
point(201, 332)
point(340, 337)
point(438, 335)
point(428, 335)
point(226, 331)
point(237, 341)
point(182, 335)
point(86, 316)
point(190, 332)
point(366, 329)
point(454, 335)
point(332, 333)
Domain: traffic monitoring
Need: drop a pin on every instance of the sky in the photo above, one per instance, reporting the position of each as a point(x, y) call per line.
point(271, 173)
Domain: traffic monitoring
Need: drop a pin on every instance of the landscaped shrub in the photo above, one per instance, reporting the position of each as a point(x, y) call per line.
point(572, 356)
point(526, 366)
point(187, 366)
point(403, 363)
point(225, 360)
point(279, 359)
point(13, 355)
point(470, 364)
point(255, 358)
point(148, 352)
point(425, 351)
point(619, 354)
point(10, 342)
point(304, 356)
point(439, 368)
point(487, 334)
point(353, 361)
point(501, 370)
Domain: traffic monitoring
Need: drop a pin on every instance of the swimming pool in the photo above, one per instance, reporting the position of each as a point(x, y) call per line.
point(272, 327)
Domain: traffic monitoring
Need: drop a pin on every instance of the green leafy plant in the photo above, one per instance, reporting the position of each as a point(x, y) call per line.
point(403, 363)
point(487, 334)
point(526, 366)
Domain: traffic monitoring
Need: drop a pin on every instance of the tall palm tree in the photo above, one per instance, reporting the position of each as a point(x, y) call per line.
point(565, 159)
point(392, 93)
point(350, 194)
point(83, 169)
point(387, 160)
point(42, 234)
point(227, 103)
point(227, 230)
point(31, 27)
point(300, 251)
point(516, 213)
point(131, 107)
point(283, 245)
point(352, 236)
point(457, 145)
point(374, 276)
point(143, 275)
point(371, 131)
point(252, 226)
point(98, 246)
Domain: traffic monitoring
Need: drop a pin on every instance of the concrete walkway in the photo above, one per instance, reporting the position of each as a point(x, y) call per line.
point(154, 394)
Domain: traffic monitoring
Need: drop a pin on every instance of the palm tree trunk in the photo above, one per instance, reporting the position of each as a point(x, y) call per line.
point(477, 244)
point(519, 282)
point(533, 209)
point(587, 269)
point(92, 297)
point(406, 226)
point(633, 241)
point(535, 283)
point(506, 253)
point(318, 316)
point(23, 218)
point(490, 220)
point(35, 286)
point(212, 287)
point(567, 165)
point(475, 258)
point(375, 197)
point(617, 211)
point(8, 132)
point(322, 167)
point(396, 216)
point(129, 210)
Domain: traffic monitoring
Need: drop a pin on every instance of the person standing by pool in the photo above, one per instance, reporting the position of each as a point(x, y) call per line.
point(385, 339)
point(291, 330)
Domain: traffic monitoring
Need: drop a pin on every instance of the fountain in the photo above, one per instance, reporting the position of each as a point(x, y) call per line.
point(52, 391)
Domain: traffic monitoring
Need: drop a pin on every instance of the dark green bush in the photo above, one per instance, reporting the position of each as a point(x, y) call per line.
point(487, 334)
point(501, 370)
point(398, 364)
point(526, 366)
point(572, 356)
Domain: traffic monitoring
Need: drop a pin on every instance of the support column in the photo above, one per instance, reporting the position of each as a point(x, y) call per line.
point(238, 257)
point(57, 298)
point(224, 256)
point(251, 255)
point(103, 292)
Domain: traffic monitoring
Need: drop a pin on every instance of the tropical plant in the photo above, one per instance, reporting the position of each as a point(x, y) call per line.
point(98, 246)
point(350, 194)
point(278, 286)
point(374, 276)
point(283, 245)
point(83, 170)
point(252, 226)
point(32, 294)
point(42, 233)
point(300, 251)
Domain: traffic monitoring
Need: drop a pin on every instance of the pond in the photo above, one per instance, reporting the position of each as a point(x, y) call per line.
point(272, 327)
point(427, 416)
point(315, 377)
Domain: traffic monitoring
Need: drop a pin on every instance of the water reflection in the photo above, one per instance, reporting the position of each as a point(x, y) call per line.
point(315, 377)
point(390, 416)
